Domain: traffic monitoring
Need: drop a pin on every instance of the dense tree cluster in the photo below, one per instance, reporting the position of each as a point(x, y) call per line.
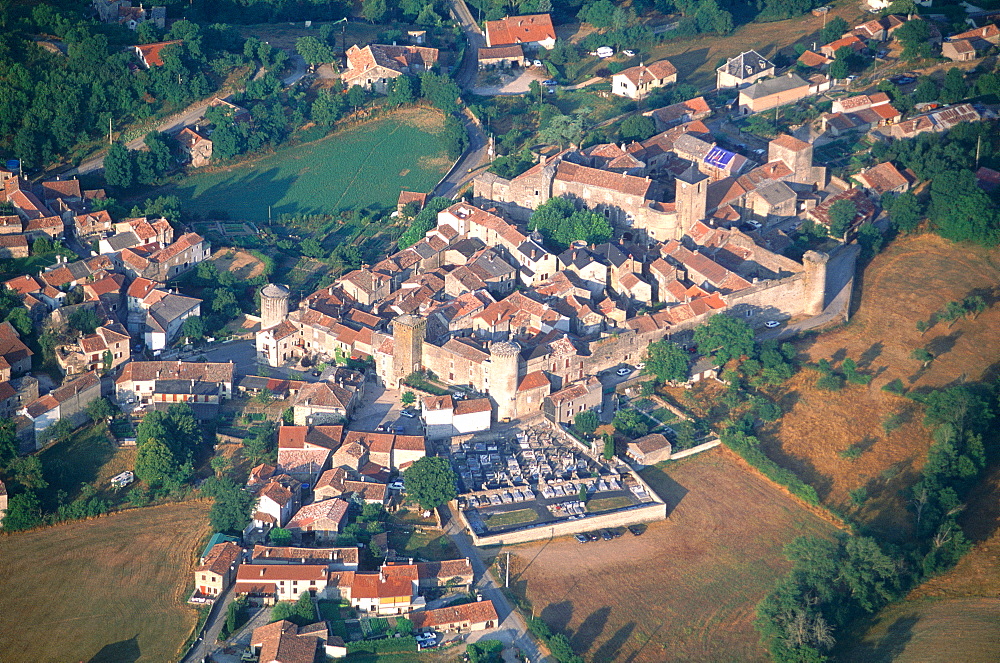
point(166, 443)
point(430, 482)
point(424, 221)
point(53, 102)
point(561, 223)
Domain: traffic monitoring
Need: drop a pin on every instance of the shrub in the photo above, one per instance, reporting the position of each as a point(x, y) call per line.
point(894, 387)
point(830, 382)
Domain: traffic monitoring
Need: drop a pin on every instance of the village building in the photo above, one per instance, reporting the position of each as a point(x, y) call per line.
point(744, 69)
point(531, 32)
point(318, 523)
point(304, 451)
point(335, 559)
point(563, 406)
point(167, 381)
point(285, 642)
point(684, 112)
point(67, 402)
point(163, 264)
point(373, 66)
point(501, 57)
point(886, 178)
point(638, 82)
point(465, 618)
point(280, 582)
point(151, 55)
point(325, 403)
point(649, 449)
point(217, 570)
point(196, 146)
point(772, 93)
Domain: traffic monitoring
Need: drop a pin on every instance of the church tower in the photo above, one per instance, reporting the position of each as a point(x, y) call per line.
point(408, 332)
point(691, 197)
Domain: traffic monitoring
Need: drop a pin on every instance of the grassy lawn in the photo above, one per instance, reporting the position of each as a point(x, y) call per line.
point(608, 504)
point(104, 590)
point(683, 591)
point(87, 456)
point(360, 166)
point(425, 543)
point(509, 518)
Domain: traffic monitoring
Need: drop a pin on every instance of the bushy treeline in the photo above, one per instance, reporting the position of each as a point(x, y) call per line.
point(52, 102)
point(832, 583)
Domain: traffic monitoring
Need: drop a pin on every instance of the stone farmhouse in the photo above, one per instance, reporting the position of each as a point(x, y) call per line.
point(373, 66)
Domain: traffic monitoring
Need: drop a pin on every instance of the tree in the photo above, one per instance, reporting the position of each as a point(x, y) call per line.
point(630, 423)
point(374, 11)
point(431, 482)
point(725, 338)
point(922, 355)
point(915, 37)
point(118, 167)
point(974, 305)
point(279, 536)
point(926, 90)
point(232, 507)
point(561, 223)
point(8, 442)
point(667, 361)
point(599, 14)
point(356, 96)
point(409, 398)
point(193, 328)
point(586, 422)
point(24, 511)
point(100, 409)
point(954, 88)
point(221, 465)
point(906, 212)
point(609, 447)
point(563, 130)
point(84, 320)
point(423, 221)
point(27, 471)
point(960, 211)
point(154, 463)
point(328, 107)
point(314, 51)
point(637, 127)
point(835, 27)
point(842, 214)
point(402, 91)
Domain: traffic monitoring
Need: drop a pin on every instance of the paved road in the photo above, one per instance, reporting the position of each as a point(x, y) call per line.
point(210, 631)
point(512, 630)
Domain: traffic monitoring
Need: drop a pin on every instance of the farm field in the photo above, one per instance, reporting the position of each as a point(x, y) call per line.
point(685, 589)
point(912, 279)
point(104, 590)
point(366, 165)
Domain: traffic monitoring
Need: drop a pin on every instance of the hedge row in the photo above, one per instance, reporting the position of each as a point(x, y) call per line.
point(385, 646)
point(748, 447)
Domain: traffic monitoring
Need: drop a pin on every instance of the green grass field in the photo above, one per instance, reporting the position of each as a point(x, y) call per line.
point(361, 166)
point(104, 590)
point(509, 518)
point(608, 504)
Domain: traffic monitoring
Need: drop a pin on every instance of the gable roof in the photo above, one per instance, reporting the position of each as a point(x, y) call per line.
point(746, 64)
point(519, 30)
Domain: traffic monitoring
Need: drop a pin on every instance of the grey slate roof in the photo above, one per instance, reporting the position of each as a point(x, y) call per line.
point(746, 65)
point(774, 85)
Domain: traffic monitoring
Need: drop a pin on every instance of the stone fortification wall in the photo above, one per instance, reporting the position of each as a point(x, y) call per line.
point(786, 295)
point(705, 446)
point(644, 513)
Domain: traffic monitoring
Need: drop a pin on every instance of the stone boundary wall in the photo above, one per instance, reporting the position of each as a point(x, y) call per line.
point(645, 513)
point(640, 513)
point(696, 450)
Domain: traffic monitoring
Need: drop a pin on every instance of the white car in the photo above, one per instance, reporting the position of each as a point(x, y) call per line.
point(536, 63)
point(605, 52)
point(397, 484)
point(624, 371)
point(771, 324)
point(640, 366)
point(409, 414)
point(629, 53)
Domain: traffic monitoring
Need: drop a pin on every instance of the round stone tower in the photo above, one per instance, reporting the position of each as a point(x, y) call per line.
point(814, 289)
point(273, 305)
point(503, 378)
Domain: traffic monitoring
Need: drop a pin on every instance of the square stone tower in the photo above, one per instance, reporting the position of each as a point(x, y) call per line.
point(408, 333)
point(794, 153)
point(691, 198)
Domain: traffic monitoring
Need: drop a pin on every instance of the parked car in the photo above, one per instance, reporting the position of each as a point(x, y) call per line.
point(902, 80)
point(536, 63)
point(582, 538)
point(592, 536)
point(754, 224)
point(623, 370)
point(409, 414)
point(771, 324)
point(397, 484)
point(636, 530)
point(629, 52)
point(606, 535)
point(640, 366)
point(549, 82)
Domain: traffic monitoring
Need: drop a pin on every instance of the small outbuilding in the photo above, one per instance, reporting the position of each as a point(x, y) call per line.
point(649, 449)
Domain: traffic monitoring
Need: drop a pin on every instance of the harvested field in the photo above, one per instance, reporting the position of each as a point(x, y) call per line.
point(241, 263)
point(915, 277)
point(685, 589)
point(110, 589)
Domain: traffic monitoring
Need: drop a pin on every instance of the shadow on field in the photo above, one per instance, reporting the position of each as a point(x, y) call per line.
point(612, 647)
point(590, 629)
point(558, 615)
point(870, 355)
point(123, 651)
point(890, 645)
point(669, 490)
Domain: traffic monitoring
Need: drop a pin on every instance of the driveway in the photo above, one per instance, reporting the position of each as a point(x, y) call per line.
point(383, 406)
point(519, 83)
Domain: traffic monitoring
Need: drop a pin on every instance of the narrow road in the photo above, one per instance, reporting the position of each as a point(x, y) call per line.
point(185, 118)
point(512, 629)
point(209, 635)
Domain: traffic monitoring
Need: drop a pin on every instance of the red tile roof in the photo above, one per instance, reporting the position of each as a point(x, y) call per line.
point(519, 30)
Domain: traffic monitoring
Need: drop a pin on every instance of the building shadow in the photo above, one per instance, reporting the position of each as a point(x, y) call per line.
point(123, 651)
